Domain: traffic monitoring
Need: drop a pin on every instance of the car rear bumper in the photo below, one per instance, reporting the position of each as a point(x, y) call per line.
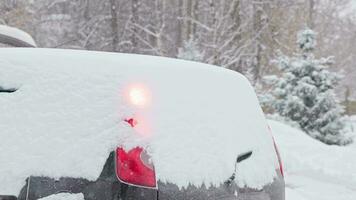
point(108, 187)
point(5, 197)
point(273, 191)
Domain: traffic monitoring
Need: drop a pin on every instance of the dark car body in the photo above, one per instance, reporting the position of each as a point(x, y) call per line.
point(108, 187)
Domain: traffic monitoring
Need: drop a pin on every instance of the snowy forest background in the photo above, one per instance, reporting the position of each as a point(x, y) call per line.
point(248, 36)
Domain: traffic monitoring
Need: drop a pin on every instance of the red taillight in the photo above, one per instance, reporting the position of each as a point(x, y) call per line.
point(279, 157)
point(134, 167)
point(277, 152)
point(131, 121)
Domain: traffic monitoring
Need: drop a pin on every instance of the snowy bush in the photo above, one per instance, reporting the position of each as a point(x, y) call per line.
point(304, 93)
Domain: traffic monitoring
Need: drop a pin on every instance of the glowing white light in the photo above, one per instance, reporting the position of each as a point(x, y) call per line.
point(138, 96)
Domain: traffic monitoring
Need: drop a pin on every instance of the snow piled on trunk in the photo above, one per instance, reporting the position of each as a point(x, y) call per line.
point(68, 114)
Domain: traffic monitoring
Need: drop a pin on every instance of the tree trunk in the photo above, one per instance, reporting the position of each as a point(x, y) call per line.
point(257, 24)
point(180, 25)
point(114, 25)
point(236, 18)
point(187, 15)
point(160, 42)
point(195, 14)
point(134, 21)
point(87, 10)
point(347, 100)
point(310, 14)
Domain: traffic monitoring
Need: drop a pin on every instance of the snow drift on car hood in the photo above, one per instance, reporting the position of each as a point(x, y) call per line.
point(69, 109)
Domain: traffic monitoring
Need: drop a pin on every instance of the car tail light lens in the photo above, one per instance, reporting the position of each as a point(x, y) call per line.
point(279, 158)
point(131, 121)
point(135, 168)
point(277, 152)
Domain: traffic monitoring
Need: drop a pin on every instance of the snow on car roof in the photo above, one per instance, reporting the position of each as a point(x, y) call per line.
point(69, 108)
point(14, 33)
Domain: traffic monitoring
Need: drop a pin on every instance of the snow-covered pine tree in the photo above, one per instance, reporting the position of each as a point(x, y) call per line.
point(305, 93)
point(190, 51)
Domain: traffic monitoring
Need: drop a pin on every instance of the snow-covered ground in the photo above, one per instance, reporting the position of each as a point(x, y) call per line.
point(314, 170)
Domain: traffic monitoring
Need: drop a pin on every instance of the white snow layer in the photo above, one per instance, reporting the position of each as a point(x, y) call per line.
point(313, 170)
point(17, 34)
point(68, 114)
point(64, 196)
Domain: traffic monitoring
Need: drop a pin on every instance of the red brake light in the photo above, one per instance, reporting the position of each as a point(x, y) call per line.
point(279, 157)
point(133, 167)
point(131, 121)
point(277, 152)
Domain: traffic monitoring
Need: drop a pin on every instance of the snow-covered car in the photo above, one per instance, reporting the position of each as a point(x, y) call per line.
point(123, 126)
point(14, 37)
